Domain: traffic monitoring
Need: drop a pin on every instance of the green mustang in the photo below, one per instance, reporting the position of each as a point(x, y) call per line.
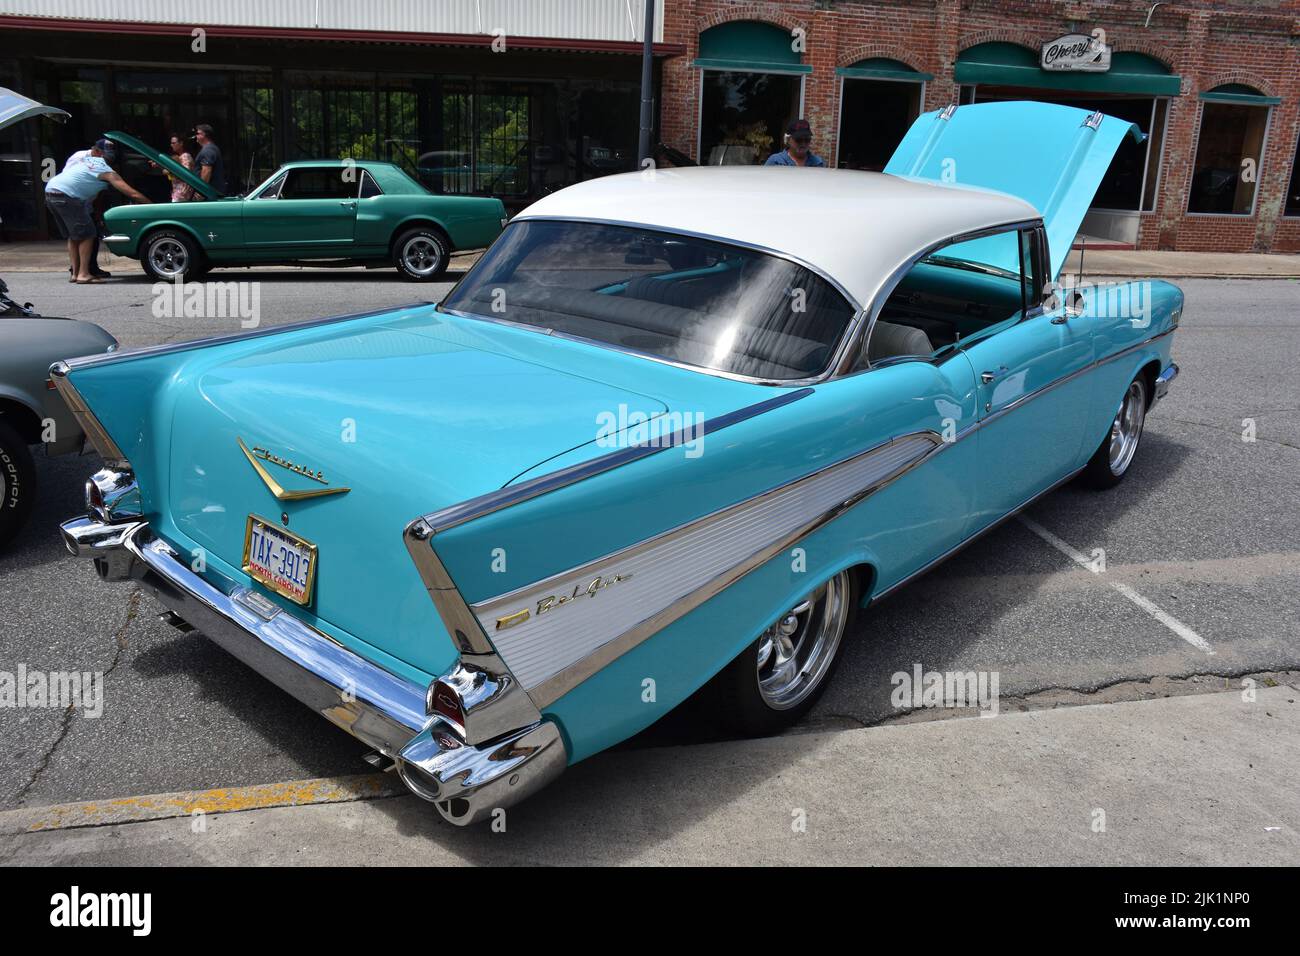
point(349, 211)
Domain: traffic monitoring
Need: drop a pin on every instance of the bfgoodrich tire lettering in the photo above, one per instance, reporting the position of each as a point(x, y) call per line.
point(168, 255)
point(17, 482)
point(421, 254)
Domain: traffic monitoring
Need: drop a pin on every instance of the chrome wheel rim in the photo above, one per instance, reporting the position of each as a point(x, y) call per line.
point(795, 652)
point(1126, 429)
point(421, 255)
point(169, 257)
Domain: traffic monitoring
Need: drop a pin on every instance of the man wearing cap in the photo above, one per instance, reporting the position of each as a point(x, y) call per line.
point(798, 137)
point(69, 197)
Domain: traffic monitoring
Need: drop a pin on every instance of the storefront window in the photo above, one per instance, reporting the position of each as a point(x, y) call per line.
point(1293, 191)
point(744, 116)
point(874, 117)
point(1228, 153)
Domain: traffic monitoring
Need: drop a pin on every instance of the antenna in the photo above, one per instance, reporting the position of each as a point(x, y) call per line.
point(1083, 247)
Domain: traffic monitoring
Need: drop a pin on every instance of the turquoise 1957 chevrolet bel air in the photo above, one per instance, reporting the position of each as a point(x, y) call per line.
point(672, 432)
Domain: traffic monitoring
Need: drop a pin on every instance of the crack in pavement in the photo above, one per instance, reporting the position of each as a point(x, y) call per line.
point(65, 725)
point(1232, 431)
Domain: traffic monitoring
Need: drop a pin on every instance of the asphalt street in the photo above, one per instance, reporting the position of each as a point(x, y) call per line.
point(1200, 543)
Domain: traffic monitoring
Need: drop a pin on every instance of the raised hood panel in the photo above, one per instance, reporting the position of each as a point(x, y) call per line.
point(1053, 157)
point(165, 161)
point(410, 416)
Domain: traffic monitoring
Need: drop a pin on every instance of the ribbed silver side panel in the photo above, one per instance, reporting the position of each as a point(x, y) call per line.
point(673, 566)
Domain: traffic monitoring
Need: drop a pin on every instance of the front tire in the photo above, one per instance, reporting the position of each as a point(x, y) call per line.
point(168, 255)
point(1113, 457)
point(422, 254)
point(17, 482)
point(777, 679)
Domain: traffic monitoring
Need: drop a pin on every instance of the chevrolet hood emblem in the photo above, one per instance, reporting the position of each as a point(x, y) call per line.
point(257, 455)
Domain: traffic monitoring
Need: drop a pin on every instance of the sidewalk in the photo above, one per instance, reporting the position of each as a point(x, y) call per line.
point(1196, 780)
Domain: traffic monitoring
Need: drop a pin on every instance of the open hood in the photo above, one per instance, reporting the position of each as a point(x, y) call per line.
point(1051, 156)
point(166, 162)
point(15, 108)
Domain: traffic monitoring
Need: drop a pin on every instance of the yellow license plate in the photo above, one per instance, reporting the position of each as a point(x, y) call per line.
point(281, 561)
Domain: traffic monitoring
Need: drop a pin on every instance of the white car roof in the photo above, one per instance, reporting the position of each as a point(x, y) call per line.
point(855, 227)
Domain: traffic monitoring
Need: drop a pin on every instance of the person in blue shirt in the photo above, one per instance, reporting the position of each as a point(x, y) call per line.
point(69, 197)
point(797, 152)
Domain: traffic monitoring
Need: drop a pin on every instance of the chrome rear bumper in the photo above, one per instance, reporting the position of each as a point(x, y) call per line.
point(389, 713)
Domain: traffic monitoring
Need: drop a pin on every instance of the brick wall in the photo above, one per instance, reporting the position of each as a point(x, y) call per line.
point(1256, 42)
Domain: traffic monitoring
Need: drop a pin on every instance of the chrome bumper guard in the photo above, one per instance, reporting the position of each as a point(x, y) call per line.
point(466, 782)
point(1163, 380)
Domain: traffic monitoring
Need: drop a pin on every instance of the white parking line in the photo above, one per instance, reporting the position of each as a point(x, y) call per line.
point(1164, 617)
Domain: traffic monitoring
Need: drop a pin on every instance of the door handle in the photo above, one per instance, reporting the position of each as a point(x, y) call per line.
point(988, 378)
point(348, 204)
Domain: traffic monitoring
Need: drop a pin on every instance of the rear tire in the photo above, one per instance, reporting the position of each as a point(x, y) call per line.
point(17, 482)
point(1113, 457)
point(776, 680)
point(168, 255)
point(421, 254)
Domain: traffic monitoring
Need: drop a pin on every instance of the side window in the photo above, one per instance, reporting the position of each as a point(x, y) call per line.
point(368, 186)
point(968, 288)
point(272, 190)
point(318, 182)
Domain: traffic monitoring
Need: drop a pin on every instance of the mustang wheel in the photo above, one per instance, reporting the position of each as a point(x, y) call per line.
point(168, 256)
point(421, 254)
point(1111, 461)
point(17, 481)
point(778, 678)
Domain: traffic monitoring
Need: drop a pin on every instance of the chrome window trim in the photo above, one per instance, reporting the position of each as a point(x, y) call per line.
point(837, 353)
point(361, 185)
point(142, 351)
point(886, 288)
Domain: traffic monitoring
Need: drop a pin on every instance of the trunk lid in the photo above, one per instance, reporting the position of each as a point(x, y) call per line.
point(410, 415)
point(1052, 156)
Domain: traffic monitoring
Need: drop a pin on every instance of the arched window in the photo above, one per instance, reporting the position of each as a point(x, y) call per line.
point(751, 88)
point(1229, 149)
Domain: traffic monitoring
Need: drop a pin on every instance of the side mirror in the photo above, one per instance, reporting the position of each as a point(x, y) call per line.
point(1072, 307)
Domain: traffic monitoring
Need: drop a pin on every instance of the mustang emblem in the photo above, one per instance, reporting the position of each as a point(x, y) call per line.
point(552, 601)
point(277, 489)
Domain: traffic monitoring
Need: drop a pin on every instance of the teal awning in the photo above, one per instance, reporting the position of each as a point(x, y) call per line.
point(1008, 64)
point(882, 68)
point(1239, 93)
point(747, 46)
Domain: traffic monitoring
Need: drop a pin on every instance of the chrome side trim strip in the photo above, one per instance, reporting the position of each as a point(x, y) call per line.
point(99, 437)
point(439, 521)
point(170, 347)
point(971, 539)
point(696, 548)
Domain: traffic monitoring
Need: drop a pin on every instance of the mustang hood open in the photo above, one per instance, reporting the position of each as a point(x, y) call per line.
point(1053, 157)
point(165, 161)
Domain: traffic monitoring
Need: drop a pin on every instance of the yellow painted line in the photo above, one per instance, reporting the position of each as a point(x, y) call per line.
point(160, 806)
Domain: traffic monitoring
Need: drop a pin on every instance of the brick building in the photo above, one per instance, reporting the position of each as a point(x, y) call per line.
point(1215, 85)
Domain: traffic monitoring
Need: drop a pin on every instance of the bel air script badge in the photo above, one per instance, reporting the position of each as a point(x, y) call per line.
point(552, 601)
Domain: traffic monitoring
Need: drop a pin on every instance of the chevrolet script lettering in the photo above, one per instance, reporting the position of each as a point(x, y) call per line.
point(552, 601)
point(265, 455)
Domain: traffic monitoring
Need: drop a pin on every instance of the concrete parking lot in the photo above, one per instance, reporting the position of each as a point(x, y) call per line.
point(1200, 545)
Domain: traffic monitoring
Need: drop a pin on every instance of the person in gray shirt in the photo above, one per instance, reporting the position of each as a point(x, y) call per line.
point(209, 162)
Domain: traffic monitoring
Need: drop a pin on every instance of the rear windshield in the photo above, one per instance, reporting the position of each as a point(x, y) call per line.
point(689, 300)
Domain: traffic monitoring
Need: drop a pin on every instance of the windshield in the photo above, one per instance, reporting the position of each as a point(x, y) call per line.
point(695, 301)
